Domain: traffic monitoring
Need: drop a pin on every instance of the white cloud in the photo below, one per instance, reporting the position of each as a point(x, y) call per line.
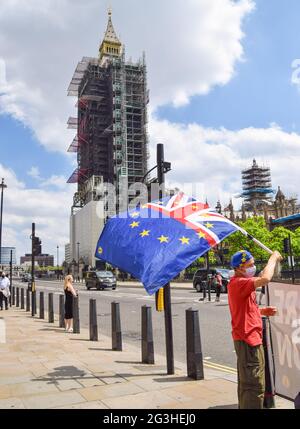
point(214, 158)
point(195, 46)
point(34, 172)
point(49, 209)
point(56, 181)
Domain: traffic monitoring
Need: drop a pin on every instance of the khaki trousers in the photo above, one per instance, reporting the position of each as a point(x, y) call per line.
point(251, 375)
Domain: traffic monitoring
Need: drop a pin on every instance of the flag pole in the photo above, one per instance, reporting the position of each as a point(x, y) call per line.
point(260, 244)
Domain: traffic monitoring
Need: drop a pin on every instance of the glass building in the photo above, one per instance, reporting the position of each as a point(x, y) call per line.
point(5, 255)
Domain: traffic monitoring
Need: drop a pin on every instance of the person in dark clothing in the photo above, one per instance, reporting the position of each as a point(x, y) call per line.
point(218, 286)
point(69, 294)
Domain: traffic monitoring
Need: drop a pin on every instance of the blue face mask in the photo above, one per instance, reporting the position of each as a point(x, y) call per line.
point(250, 272)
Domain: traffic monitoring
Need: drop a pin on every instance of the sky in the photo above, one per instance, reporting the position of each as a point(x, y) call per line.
point(224, 80)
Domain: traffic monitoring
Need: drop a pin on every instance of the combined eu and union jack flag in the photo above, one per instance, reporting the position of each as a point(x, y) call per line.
point(158, 240)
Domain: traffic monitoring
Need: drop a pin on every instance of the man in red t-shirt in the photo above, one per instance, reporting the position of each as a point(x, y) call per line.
point(247, 325)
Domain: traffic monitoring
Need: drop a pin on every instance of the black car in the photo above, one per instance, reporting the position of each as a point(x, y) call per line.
point(200, 278)
point(100, 280)
point(26, 277)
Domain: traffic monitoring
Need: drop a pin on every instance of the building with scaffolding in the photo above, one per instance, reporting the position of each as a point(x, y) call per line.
point(258, 200)
point(111, 139)
point(257, 187)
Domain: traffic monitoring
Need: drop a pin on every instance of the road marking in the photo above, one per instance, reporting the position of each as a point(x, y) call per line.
point(209, 365)
point(221, 367)
point(2, 331)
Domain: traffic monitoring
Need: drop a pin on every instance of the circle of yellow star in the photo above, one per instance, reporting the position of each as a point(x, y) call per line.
point(209, 225)
point(134, 224)
point(135, 214)
point(100, 250)
point(163, 239)
point(201, 234)
point(144, 206)
point(145, 233)
point(184, 240)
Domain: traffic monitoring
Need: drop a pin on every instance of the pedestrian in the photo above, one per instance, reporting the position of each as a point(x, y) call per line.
point(247, 326)
point(4, 291)
point(69, 294)
point(218, 285)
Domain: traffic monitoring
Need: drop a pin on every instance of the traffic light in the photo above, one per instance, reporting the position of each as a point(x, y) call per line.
point(286, 245)
point(36, 246)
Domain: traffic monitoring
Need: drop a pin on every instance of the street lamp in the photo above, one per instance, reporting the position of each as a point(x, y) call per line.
point(57, 260)
point(78, 257)
point(78, 252)
point(2, 186)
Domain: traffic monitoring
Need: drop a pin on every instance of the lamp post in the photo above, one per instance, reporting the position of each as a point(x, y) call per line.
point(2, 186)
point(164, 167)
point(57, 260)
point(78, 257)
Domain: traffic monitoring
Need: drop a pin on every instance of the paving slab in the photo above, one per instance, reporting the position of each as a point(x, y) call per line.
point(42, 366)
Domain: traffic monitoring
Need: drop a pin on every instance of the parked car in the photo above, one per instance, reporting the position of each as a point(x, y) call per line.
point(26, 277)
point(200, 278)
point(100, 280)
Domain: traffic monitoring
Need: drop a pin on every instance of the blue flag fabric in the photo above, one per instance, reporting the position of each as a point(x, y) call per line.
point(156, 241)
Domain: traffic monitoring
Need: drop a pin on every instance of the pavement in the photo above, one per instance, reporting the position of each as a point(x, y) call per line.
point(43, 367)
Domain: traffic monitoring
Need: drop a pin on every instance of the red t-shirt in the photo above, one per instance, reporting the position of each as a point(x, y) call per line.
point(245, 315)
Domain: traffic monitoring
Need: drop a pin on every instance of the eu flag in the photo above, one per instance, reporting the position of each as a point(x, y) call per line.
point(158, 240)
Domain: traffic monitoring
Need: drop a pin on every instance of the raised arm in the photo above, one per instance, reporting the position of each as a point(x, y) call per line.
point(268, 272)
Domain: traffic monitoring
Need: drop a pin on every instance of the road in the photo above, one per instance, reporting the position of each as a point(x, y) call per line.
point(214, 318)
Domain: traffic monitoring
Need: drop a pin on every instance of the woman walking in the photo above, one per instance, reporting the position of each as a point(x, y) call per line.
point(69, 294)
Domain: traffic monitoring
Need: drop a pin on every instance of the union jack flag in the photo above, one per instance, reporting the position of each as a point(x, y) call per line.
point(156, 241)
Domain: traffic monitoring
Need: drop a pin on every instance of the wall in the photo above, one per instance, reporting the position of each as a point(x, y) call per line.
point(85, 228)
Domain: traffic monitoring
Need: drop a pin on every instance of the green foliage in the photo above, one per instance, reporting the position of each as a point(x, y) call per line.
point(256, 227)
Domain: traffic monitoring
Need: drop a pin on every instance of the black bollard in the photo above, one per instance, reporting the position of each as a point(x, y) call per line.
point(116, 332)
point(22, 299)
point(18, 298)
point(269, 398)
point(193, 345)
point(42, 306)
point(147, 336)
point(76, 318)
point(61, 311)
point(50, 308)
point(297, 402)
point(33, 303)
point(93, 321)
point(13, 293)
point(27, 300)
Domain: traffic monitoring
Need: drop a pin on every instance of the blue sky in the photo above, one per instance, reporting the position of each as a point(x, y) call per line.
point(23, 151)
point(226, 65)
point(260, 92)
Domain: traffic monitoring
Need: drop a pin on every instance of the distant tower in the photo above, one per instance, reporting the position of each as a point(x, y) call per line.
point(111, 139)
point(257, 187)
point(219, 207)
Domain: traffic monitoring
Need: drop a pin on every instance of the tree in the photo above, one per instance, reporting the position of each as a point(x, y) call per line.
point(255, 226)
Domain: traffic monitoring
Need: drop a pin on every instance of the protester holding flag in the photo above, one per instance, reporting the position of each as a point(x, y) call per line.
point(247, 326)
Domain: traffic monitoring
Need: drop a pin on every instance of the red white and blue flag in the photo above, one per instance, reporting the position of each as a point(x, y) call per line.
point(158, 240)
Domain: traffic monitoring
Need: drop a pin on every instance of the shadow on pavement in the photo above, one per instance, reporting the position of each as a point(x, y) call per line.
point(224, 407)
point(103, 350)
point(170, 379)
